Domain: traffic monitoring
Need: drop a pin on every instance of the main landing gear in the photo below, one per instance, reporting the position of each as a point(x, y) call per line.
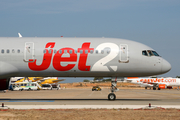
point(111, 95)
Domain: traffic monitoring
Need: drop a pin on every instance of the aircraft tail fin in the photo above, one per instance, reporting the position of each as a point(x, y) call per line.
point(20, 36)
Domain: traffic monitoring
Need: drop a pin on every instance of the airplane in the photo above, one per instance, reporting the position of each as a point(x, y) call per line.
point(32, 79)
point(77, 57)
point(156, 83)
point(14, 79)
point(41, 80)
point(50, 80)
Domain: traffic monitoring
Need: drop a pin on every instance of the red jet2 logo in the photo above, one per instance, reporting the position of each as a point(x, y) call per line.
point(57, 59)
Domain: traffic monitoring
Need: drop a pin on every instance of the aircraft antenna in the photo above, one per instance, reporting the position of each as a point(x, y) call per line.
point(19, 35)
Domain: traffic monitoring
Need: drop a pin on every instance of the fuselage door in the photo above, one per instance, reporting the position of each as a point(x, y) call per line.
point(123, 54)
point(29, 52)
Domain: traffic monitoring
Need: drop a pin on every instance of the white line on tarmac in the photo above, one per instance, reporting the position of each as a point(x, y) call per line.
point(91, 93)
point(86, 106)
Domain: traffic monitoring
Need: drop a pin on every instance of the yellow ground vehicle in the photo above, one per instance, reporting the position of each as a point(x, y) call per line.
point(96, 88)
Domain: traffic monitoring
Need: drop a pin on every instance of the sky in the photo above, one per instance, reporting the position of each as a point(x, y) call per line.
point(155, 23)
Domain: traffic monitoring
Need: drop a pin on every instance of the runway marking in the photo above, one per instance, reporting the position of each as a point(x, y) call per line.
point(86, 106)
point(91, 93)
point(26, 100)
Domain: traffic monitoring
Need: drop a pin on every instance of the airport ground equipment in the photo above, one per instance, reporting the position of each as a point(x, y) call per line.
point(25, 86)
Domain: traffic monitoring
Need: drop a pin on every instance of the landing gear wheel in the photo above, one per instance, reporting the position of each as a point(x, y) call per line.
point(111, 96)
point(159, 88)
point(154, 88)
point(145, 87)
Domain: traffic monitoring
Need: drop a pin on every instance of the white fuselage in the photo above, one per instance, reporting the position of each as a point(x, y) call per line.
point(77, 57)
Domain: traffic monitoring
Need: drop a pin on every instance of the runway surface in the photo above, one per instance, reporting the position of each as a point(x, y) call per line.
point(86, 97)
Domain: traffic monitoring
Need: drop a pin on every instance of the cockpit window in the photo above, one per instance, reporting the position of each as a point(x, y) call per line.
point(155, 53)
point(149, 53)
point(144, 53)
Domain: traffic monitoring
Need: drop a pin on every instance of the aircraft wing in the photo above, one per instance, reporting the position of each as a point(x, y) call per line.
point(129, 81)
point(38, 78)
point(154, 84)
point(58, 80)
point(53, 80)
point(20, 80)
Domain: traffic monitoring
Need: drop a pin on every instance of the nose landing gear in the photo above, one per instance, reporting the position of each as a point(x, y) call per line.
point(112, 96)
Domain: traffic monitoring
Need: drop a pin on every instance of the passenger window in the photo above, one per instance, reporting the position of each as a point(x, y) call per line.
point(65, 51)
point(18, 51)
point(7, 51)
point(144, 53)
point(91, 51)
point(86, 51)
point(75, 51)
point(60, 51)
point(70, 51)
point(2, 51)
point(44, 51)
point(102, 51)
point(49, 51)
point(81, 51)
point(96, 51)
point(13, 51)
point(55, 51)
point(108, 51)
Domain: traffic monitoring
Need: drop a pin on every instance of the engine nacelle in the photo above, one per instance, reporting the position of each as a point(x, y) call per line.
point(169, 87)
point(4, 84)
point(162, 86)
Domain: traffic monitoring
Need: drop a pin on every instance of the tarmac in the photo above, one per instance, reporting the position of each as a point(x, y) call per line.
point(85, 98)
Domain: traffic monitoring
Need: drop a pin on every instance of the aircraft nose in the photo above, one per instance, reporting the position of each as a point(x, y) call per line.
point(166, 66)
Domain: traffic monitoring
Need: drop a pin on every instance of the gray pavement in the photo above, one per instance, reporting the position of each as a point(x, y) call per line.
point(86, 97)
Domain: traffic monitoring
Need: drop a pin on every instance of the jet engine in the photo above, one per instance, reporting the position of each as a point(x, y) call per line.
point(162, 86)
point(169, 87)
point(4, 84)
